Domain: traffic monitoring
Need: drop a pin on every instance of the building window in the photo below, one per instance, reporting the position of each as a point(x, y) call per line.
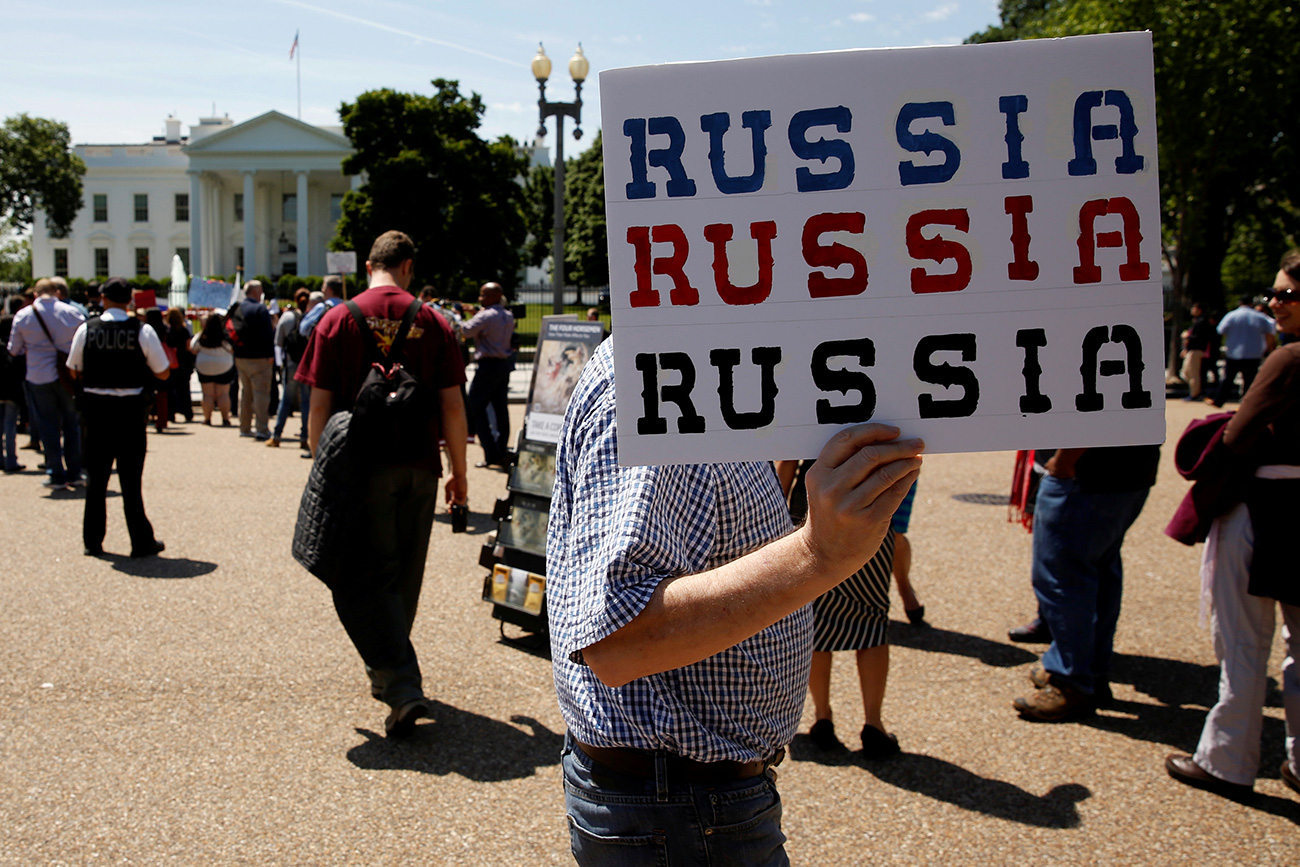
point(336, 207)
point(290, 214)
point(100, 207)
point(239, 258)
point(60, 261)
point(182, 207)
point(184, 253)
point(142, 207)
point(290, 268)
point(239, 207)
point(142, 261)
point(101, 262)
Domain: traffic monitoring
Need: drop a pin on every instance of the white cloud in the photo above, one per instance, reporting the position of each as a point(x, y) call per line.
point(862, 17)
point(941, 13)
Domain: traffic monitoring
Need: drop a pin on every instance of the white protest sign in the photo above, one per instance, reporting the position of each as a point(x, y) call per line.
point(341, 263)
point(963, 241)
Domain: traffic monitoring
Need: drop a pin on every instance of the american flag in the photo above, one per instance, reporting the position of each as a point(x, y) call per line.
point(294, 47)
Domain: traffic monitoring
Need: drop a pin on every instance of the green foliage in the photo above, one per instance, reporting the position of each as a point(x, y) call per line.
point(586, 251)
point(430, 175)
point(1228, 114)
point(39, 170)
point(16, 260)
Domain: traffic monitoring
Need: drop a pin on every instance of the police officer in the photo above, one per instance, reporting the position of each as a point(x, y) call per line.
point(113, 356)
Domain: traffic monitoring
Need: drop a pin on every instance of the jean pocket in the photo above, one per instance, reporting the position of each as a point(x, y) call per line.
point(632, 850)
point(747, 830)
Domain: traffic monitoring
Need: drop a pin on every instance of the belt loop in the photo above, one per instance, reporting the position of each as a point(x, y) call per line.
point(661, 776)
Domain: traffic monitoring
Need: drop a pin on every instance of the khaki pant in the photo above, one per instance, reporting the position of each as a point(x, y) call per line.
point(1191, 372)
point(255, 376)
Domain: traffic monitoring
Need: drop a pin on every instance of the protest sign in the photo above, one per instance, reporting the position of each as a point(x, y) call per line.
point(210, 293)
point(341, 263)
point(963, 241)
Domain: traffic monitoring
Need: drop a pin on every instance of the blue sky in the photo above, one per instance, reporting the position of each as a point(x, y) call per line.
point(114, 71)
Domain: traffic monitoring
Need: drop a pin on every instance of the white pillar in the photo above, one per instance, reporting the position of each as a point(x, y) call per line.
point(196, 229)
point(304, 266)
point(250, 220)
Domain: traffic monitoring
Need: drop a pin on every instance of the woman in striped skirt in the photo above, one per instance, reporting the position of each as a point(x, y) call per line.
point(854, 615)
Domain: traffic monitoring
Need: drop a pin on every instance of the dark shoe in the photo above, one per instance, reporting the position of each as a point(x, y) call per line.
point(262, 437)
point(822, 734)
point(1289, 776)
point(1101, 694)
point(878, 745)
point(1185, 770)
point(916, 616)
point(401, 722)
point(94, 552)
point(16, 468)
point(1055, 702)
point(156, 548)
point(1033, 632)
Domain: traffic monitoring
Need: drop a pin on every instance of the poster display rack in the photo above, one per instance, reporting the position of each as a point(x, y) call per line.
point(515, 556)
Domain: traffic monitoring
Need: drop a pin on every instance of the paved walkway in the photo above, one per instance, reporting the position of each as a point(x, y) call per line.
point(205, 708)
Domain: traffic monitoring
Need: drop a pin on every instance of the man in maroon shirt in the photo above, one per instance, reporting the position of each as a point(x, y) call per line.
point(377, 604)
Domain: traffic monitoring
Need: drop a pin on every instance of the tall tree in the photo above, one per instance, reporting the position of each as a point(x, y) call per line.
point(586, 251)
point(15, 258)
point(429, 174)
point(1228, 116)
point(39, 170)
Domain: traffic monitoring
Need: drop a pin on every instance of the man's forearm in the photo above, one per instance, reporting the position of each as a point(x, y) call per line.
point(322, 405)
point(853, 491)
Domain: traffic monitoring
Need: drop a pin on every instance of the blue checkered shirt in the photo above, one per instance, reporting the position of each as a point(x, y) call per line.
point(615, 533)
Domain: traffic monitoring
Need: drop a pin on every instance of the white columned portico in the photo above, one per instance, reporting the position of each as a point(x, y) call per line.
point(251, 260)
point(304, 266)
point(196, 229)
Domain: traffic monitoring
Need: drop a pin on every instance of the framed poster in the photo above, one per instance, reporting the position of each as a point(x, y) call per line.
point(526, 528)
point(534, 469)
point(563, 349)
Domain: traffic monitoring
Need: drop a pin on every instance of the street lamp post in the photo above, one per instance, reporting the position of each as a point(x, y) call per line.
point(578, 68)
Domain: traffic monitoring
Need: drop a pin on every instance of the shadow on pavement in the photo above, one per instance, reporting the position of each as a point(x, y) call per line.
point(952, 784)
point(461, 742)
point(161, 567)
point(476, 524)
point(995, 653)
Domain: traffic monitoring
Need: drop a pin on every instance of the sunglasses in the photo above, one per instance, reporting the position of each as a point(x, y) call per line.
point(1285, 296)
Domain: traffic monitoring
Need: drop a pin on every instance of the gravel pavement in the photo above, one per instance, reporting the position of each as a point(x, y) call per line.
point(206, 708)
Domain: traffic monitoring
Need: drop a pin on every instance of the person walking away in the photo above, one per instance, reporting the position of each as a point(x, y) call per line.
point(115, 357)
point(178, 342)
point(43, 332)
point(289, 347)
point(398, 493)
point(1248, 337)
point(491, 329)
point(215, 362)
point(11, 391)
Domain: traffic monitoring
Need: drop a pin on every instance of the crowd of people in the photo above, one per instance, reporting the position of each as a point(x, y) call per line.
point(692, 607)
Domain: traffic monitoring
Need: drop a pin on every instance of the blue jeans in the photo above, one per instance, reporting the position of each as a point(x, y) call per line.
point(59, 427)
point(621, 821)
point(1078, 576)
point(490, 388)
point(9, 420)
point(292, 392)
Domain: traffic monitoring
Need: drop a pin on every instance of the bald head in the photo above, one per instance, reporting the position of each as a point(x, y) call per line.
point(489, 294)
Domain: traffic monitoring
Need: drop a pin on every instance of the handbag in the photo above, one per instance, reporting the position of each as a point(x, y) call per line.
point(327, 513)
point(60, 357)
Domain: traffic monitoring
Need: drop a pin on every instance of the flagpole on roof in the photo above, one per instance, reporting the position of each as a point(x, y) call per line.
point(295, 51)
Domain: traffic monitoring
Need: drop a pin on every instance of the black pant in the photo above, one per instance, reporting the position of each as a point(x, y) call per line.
point(1248, 367)
point(114, 432)
point(491, 387)
point(377, 602)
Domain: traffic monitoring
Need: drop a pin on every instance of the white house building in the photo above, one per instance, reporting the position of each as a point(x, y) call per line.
point(263, 195)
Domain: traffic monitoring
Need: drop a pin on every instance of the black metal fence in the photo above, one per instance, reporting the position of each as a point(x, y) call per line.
point(538, 301)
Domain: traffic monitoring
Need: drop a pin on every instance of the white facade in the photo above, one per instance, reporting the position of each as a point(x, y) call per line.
point(193, 190)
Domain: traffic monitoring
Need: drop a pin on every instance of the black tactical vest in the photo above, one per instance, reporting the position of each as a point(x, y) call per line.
point(113, 357)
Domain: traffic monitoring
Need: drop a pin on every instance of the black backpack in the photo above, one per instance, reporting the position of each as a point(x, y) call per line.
point(295, 342)
point(392, 411)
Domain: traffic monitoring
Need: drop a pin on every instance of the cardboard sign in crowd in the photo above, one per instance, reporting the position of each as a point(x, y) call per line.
point(963, 241)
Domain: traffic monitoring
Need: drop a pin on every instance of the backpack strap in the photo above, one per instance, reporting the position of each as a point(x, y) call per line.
point(368, 336)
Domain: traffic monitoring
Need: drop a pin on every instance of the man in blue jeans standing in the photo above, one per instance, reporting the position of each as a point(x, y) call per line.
point(1086, 502)
point(491, 330)
point(40, 332)
point(681, 634)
